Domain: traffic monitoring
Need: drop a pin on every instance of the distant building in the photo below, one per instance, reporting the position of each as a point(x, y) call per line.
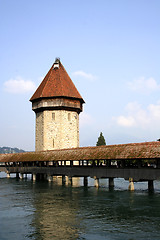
point(57, 105)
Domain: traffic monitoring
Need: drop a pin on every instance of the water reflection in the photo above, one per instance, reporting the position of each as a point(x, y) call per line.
point(88, 213)
point(44, 211)
point(56, 212)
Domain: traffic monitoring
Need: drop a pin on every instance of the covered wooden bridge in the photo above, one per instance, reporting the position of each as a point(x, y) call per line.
point(134, 162)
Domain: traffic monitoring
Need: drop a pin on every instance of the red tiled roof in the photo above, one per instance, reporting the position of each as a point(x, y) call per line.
point(56, 83)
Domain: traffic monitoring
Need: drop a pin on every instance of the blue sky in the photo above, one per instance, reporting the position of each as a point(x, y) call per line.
point(111, 51)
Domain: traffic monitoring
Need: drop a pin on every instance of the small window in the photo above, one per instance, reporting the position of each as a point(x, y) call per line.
point(53, 142)
point(53, 116)
point(69, 117)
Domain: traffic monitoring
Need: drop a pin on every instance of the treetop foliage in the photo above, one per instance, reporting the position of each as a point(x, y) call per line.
point(101, 140)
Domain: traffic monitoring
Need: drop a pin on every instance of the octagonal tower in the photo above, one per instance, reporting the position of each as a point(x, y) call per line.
point(57, 105)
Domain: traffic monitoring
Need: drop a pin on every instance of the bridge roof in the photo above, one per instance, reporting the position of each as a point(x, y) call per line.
point(146, 150)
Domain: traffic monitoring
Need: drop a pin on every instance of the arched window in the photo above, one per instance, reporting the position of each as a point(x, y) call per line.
point(53, 116)
point(69, 116)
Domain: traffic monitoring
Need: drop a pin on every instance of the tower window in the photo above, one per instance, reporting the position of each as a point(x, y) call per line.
point(69, 117)
point(53, 142)
point(53, 116)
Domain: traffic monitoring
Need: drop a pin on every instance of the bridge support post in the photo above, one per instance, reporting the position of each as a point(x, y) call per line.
point(49, 178)
point(63, 179)
point(150, 186)
point(131, 185)
point(85, 181)
point(34, 177)
point(96, 182)
point(25, 176)
point(8, 175)
point(111, 182)
point(21, 175)
point(17, 175)
point(69, 180)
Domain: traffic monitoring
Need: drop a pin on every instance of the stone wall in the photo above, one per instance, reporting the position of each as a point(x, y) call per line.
point(39, 131)
point(57, 129)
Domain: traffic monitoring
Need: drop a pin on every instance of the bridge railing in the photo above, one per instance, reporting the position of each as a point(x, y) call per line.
point(104, 163)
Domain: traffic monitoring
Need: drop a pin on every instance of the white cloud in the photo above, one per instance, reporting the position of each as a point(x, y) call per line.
point(19, 85)
point(143, 85)
point(126, 121)
point(133, 107)
point(85, 75)
point(155, 110)
point(136, 116)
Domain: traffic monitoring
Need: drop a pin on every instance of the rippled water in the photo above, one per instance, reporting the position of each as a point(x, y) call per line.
point(45, 211)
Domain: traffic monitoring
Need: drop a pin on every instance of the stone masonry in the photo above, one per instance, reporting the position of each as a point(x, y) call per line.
point(57, 129)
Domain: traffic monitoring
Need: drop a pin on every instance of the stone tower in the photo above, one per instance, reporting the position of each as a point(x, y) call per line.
point(57, 105)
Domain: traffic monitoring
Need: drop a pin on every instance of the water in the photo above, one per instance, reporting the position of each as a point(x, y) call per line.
point(44, 211)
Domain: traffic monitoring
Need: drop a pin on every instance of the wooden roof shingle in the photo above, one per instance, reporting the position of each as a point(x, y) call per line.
point(146, 150)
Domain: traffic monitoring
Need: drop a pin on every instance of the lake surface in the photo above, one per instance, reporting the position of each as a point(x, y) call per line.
point(44, 211)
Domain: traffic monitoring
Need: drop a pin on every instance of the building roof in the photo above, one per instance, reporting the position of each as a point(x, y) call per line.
point(56, 83)
point(146, 150)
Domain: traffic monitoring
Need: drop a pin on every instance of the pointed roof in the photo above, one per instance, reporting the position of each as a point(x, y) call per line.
point(57, 83)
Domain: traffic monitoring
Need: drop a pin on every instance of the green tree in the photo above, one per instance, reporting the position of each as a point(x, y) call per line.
point(101, 140)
